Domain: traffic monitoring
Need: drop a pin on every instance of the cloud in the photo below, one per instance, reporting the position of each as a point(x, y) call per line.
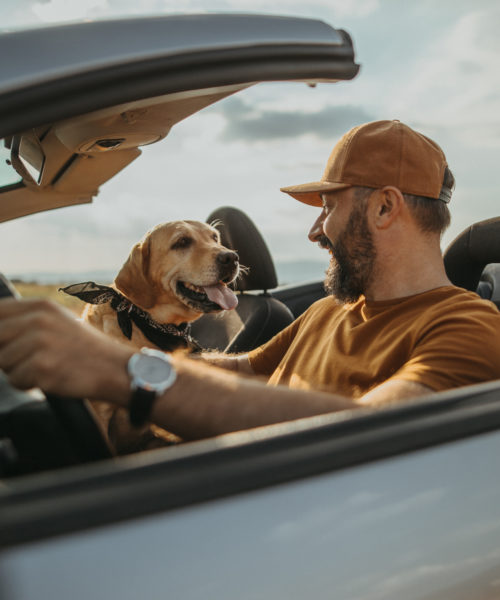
point(19, 14)
point(61, 10)
point(251, 125)
point(54, 11)
point(341, 8)
point(454, 82)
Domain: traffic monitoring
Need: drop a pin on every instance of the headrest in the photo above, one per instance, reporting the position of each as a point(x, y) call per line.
point(239, 233)
point(468, 254)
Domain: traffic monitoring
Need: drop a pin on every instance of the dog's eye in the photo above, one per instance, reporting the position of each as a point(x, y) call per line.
point(182, 243)
point(215, 237)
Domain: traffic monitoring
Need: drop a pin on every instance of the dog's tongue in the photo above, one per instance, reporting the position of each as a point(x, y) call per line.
point(221, 295)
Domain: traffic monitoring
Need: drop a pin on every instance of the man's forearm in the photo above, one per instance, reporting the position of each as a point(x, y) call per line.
point(238, 363)
point(42, 345)
point(206, 401)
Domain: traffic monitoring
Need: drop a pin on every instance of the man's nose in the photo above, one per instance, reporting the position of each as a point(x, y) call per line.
point(316, 230)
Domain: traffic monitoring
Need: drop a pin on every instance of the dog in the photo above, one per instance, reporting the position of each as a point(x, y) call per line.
point(176, 273)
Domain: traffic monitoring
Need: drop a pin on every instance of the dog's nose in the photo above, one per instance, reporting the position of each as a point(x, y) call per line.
point(227, 258)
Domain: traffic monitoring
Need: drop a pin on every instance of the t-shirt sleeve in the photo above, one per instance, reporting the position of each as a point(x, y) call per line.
point(265, 359)
point(460, 348)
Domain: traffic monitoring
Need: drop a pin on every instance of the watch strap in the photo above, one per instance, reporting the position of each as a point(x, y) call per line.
point(140, 406)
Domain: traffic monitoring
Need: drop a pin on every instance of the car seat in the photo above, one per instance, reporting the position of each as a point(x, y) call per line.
point(472, 260)
point(258, 316)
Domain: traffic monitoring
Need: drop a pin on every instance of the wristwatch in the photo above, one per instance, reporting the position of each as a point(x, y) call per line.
point(151, 373)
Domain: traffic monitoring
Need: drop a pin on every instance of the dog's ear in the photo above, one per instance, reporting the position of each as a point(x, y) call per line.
point(132, 280)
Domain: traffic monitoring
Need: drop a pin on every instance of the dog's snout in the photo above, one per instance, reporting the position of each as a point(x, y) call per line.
point(227, 258)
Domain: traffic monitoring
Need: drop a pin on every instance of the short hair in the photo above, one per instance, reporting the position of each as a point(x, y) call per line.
point(432, 215)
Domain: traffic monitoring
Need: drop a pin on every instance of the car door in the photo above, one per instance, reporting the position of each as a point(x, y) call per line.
point(399, 503)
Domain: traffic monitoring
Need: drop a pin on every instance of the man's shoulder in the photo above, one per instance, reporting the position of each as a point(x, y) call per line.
point(457, 311)
point(458, 299)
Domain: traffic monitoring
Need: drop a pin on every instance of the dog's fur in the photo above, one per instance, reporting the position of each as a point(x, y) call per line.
point(153, 278)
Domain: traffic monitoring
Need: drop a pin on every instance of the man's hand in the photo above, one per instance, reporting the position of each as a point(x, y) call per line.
point(43, 345)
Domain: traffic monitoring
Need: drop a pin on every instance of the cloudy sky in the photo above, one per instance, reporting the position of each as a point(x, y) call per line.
point(433, 65)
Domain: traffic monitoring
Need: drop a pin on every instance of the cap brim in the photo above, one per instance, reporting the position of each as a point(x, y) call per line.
point(310, 193)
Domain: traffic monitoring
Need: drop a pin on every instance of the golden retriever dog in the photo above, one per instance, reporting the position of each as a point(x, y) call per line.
point(176, 273)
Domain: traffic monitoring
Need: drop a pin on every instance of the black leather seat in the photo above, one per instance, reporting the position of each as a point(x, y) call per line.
point(472, 259)
point(258, 316)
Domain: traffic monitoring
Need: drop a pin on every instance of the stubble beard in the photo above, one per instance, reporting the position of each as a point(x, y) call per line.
point(353, 256)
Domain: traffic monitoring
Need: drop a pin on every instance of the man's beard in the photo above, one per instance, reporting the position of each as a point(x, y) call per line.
point(351, 267)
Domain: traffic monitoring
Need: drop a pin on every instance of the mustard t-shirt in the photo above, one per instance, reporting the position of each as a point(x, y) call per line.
point(444, 338)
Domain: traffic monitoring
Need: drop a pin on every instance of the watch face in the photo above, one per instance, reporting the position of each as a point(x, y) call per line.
point(153, 370)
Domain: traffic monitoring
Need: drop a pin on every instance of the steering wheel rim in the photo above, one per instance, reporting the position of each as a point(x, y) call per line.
point(76, 416)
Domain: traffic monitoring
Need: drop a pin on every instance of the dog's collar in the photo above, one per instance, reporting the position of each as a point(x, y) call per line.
point(166, 336)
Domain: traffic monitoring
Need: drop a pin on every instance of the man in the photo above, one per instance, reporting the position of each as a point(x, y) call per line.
point(392, 328)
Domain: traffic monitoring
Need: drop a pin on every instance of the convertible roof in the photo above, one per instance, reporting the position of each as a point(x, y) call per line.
point(91, 94)
point(46, 64)
point(41, 55)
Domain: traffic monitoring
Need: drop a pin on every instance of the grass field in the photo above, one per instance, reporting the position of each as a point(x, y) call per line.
point(36, 290)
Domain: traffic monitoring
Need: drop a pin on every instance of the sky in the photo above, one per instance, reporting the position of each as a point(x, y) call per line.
point(432, 65)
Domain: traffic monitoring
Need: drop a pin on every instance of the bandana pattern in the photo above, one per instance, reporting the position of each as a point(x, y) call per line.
point(166, 336)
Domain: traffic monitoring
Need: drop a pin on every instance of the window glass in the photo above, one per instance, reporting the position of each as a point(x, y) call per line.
point(8, 175)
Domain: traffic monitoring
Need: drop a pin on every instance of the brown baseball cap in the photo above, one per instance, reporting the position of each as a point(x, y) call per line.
point(378, 154)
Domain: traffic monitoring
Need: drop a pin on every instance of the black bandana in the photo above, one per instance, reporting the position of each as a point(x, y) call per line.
point(164, 335)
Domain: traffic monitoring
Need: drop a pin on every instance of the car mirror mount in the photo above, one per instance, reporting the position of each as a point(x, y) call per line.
point(27, 157)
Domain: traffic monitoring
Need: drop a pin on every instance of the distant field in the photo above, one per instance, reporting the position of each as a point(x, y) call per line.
point(36, 290)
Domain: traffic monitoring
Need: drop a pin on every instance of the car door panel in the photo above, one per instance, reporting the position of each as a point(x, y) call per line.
point(398, 528)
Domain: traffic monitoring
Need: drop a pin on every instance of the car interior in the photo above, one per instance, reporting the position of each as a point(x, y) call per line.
point(65, 163)
point(472, 259)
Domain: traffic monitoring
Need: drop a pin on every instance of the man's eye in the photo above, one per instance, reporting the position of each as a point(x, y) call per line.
point(182, 243)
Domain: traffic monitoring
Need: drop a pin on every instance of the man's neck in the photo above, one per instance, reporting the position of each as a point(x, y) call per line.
point(407, 272)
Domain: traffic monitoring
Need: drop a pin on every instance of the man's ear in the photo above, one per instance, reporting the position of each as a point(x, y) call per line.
point(386, 204)
point(132, 280)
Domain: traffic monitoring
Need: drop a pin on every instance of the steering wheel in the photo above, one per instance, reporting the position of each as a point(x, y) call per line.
point(76, 416)
point(46, 434)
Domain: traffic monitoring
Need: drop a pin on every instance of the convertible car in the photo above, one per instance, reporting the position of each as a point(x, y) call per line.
point(396, 503)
